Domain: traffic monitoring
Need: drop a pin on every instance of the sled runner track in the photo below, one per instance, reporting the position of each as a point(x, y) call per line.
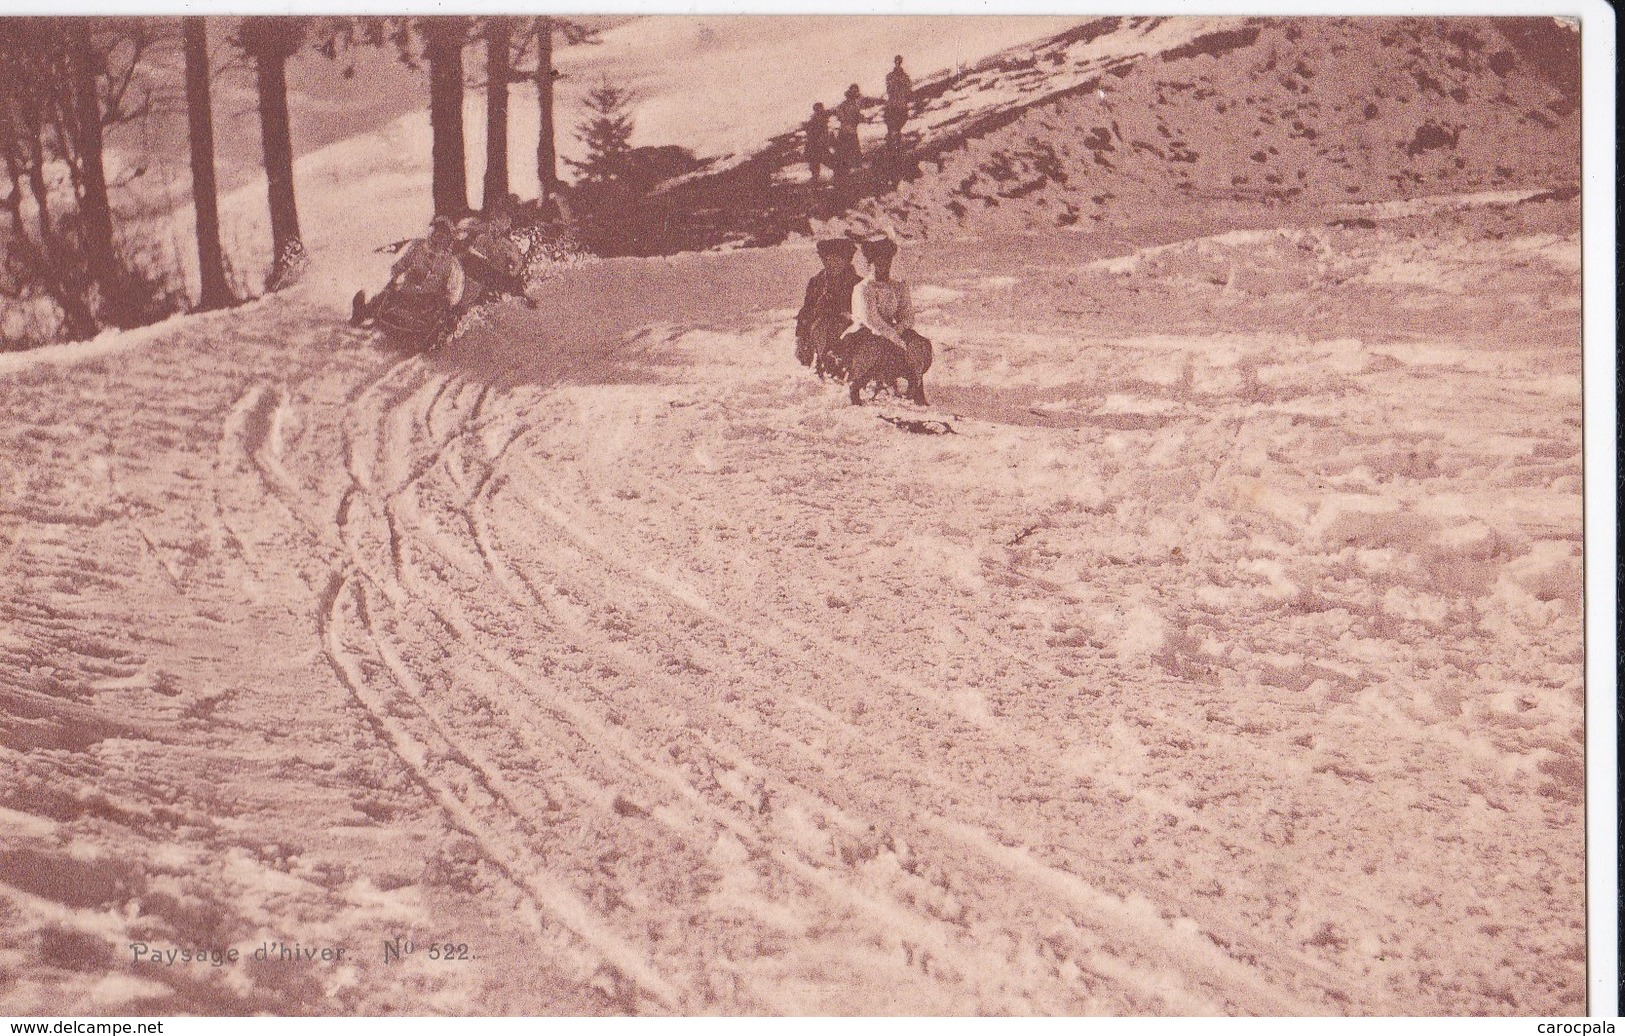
point(428, 758)
point(381, 398)
point(549, 890)
point(551, 895)
point(675, 501)
point(396, 589)
point(858, 905)
point(1265, 998)
point(246, 436)
point(235, 454)
point(598, 733)
point(416, 753)
point(920, 937)
point(654, 674)
point(781, 790)
point(620, 557)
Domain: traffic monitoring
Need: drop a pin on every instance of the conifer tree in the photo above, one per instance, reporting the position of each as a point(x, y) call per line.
point(607, 133)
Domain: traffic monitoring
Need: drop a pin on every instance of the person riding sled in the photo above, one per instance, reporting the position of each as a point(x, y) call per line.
point(493, 263)
point(425, 285)
point(881, 342)
point(826, 309)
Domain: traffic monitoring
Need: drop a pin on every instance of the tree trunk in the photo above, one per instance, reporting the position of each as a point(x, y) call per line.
point(69, 291)
point(445, 37)
point(497, 34)
point(546, 160)
point(96, 212)
point(200, 126)
point(271, 52)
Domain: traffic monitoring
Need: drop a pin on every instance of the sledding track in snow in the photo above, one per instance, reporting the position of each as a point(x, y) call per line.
point(644, 811)
point(1166, 685)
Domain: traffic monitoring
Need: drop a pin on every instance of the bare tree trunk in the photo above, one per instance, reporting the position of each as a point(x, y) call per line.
point(497, 37)
point(216, 294)
point(95, 211)
point(547, 174)
point(271, 46)
point(445, 37)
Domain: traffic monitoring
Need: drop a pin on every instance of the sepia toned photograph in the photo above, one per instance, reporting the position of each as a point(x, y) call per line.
point(811, 515)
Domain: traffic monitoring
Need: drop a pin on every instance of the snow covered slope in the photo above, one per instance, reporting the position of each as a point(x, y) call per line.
point(722, 85)
point(1211, 665)
point(1119, 119)
point(1269, 110)
point(1225, 657)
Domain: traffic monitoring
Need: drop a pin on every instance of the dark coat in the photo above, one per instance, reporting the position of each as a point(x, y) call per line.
point(849, 114)
point(827, 295)
point(899, 90)
point(818, 137)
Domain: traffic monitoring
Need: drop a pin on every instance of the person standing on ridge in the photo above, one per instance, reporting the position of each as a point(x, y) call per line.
point(848, 152)
point(817, 129)
point(899, 97)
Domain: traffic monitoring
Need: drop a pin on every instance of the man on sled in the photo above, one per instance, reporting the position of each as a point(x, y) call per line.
point(425, 287)
point(493, 263)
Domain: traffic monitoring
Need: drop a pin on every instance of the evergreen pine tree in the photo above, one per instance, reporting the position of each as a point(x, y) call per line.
point(607, 134)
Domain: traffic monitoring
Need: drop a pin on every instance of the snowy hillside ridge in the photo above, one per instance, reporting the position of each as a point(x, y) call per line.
point(1211, 666)
point(1270, 111)
point(723, 85)
point(1121, 116)
point(952, 104)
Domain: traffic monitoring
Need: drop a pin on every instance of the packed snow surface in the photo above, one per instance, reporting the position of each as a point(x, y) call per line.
point(1225, 658)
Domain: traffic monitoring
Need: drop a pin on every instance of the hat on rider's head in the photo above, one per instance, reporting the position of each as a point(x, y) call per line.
point(844, 247)
point(879, 248)
point(853, 91)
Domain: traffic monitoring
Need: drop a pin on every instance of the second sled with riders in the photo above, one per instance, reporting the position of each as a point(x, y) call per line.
point(442, 277)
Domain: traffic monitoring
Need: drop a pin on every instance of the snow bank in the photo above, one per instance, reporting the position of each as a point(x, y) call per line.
point(108, 343)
